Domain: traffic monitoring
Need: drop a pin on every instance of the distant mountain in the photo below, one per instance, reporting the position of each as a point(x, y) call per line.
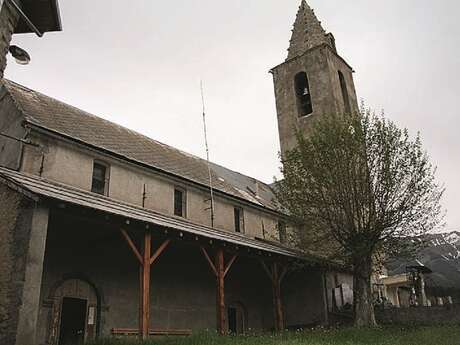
point(442, 256)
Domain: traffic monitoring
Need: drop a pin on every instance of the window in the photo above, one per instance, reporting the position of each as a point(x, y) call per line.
point(302, 91)
point(100, 182)
point(180, 202)
point(282, 232)
point(239, 219)
point(346, 99)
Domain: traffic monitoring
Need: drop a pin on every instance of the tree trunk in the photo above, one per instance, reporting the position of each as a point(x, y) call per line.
point(362, 293)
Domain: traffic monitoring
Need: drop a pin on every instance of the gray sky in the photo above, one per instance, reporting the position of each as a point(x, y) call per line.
point(140, 65)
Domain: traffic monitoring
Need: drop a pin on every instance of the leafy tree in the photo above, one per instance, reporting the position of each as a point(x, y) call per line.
point(357, 187)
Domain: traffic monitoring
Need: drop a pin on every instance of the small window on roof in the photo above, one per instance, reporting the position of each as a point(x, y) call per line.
point(180, 202)
point(100, 181)
point(239, 219)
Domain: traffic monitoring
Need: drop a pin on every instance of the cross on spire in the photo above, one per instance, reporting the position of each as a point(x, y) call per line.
point(307, 32)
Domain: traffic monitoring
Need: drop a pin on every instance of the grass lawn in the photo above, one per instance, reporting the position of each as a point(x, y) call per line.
point(381, 336)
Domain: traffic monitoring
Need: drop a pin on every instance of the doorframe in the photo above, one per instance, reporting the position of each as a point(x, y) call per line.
point(240, 307)
point(87, 305)
point(56, 306)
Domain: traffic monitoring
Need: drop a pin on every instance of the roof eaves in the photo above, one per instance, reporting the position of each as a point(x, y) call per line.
point(323, 45)
point(75, 196)
point(17, 187)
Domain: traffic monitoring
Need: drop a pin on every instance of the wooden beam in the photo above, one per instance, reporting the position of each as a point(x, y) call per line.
point(141, 301)
point(159, 251)
point(283, 273)
point(132, 245)
point(205, 253)
point(146, 284)
point(219, 265)
point(325, 297)
point(229, 265)
point(145, 260)
point(267, 270)
point(279, 317)
point(276, 278)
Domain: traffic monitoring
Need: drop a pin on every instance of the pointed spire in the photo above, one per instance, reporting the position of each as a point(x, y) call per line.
point(307, 32)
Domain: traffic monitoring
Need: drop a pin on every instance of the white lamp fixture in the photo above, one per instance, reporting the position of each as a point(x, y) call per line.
point(20, 55)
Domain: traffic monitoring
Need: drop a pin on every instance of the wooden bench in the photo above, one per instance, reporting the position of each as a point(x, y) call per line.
point(153, 332)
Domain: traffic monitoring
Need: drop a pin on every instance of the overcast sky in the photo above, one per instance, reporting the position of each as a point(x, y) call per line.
point(139, 63)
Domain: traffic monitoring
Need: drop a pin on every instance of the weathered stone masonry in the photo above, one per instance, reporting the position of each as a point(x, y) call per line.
point(8, 21)
point(15, 225)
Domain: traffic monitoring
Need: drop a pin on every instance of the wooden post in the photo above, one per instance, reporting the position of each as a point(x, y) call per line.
point(220, 270)
point(141, 294)
point(277, 298)
point(276, 278)
point(145, 261)
point(325, 297)
point(146, 285)
point(220, 291)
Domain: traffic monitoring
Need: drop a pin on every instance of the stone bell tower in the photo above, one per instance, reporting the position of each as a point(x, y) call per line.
point(313, 81)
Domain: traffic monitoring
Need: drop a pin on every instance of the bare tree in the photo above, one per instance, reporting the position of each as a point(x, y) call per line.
point(358, 187)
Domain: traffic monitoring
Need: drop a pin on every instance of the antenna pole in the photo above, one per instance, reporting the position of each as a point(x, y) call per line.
point(207, 154)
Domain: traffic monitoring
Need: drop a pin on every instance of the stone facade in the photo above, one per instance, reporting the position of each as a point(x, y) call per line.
point(420, 316)
point(307, 33)
point(8, 21)
point(71, 164)
point(11, 124)
point(16, 214)
point(312, 52)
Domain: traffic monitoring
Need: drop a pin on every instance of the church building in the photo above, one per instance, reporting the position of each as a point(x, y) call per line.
point(106, 232)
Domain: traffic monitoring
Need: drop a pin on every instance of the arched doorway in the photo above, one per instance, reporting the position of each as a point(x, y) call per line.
point(236, 316)
point(74, 315)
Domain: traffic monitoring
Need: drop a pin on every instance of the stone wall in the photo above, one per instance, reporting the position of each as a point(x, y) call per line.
point(321, 64)
point(71, 164)
point(10, 124)
point(448, 315)
point(8, 21)
point(15, 222)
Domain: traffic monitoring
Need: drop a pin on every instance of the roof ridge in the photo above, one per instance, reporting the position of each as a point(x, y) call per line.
point(105, 120)
point(98, 117)
point(27, 97)
point(307, 32)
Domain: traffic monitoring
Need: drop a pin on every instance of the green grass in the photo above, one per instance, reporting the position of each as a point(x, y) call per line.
point(381, 336)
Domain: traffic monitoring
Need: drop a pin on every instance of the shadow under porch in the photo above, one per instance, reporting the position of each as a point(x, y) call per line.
point(89, 251)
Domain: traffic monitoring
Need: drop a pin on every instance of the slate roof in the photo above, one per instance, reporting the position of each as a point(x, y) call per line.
point(55, 116)
point(307, 32)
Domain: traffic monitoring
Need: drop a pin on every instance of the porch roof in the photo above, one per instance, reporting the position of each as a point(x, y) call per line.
point(44, 14)
point(64, 193)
